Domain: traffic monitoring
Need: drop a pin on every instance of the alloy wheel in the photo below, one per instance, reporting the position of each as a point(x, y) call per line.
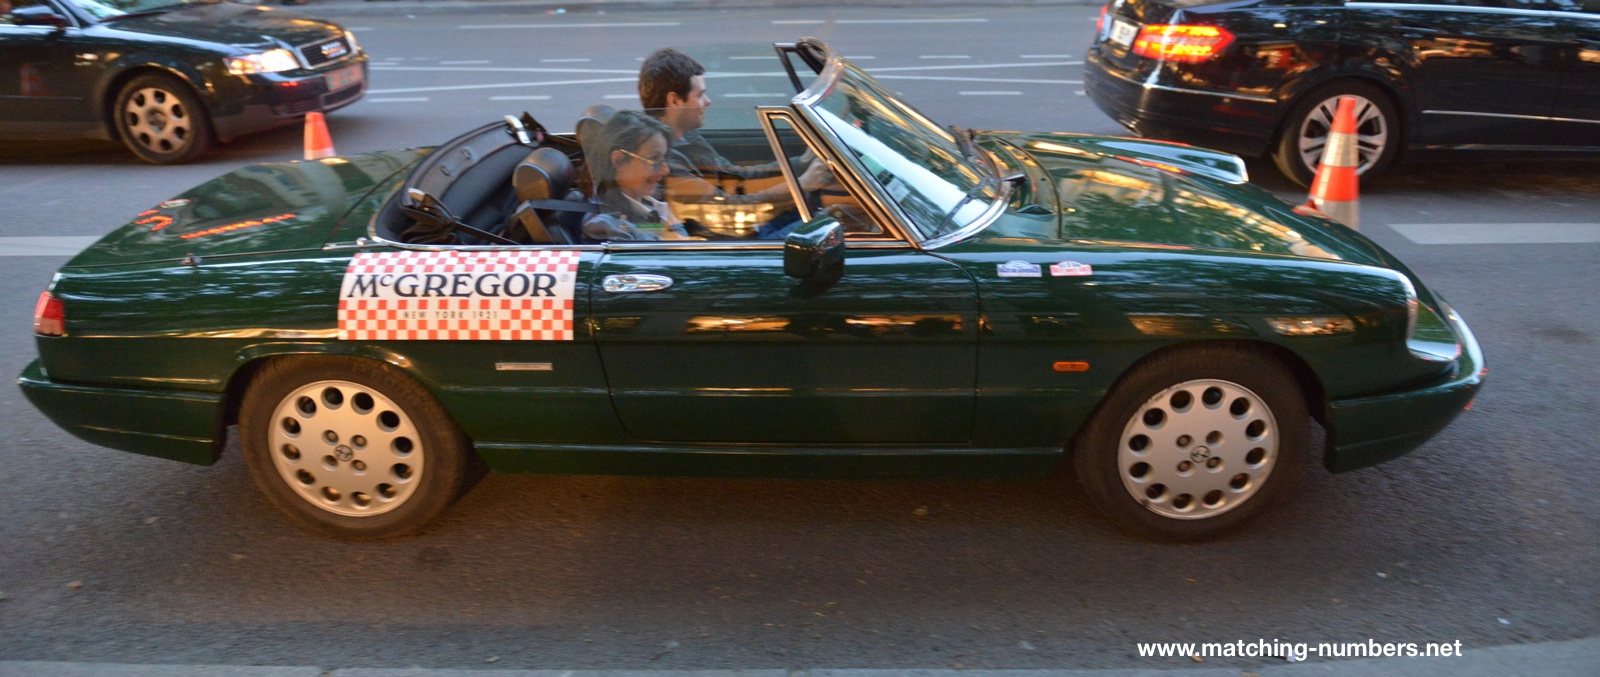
point(346, 448)
point(1198, 449)
point(1372, 132)
point(157, 120)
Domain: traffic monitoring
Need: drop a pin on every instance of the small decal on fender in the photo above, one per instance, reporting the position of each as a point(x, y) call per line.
point(1071, 269)
point(458, 296)
point(1017, 269)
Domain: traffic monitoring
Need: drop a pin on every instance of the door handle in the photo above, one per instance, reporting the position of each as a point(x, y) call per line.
point(622, 284)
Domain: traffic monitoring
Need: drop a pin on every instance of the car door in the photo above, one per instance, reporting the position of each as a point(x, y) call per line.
point(710, 342)
point(1576, 117)
point(38, 91)
point(1480, 71)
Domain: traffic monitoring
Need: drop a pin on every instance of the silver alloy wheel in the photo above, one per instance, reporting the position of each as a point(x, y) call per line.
point(1198, 449)
point(1372, 132)
point(346, 448)
point(157, 120)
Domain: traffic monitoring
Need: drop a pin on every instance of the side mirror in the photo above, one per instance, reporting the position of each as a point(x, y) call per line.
point(38, 15)
point(814, 252)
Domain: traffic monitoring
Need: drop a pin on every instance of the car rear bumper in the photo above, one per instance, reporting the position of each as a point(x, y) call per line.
point(276, 99)
point(177, 425)
point(1371, 430)
point(1235, 123)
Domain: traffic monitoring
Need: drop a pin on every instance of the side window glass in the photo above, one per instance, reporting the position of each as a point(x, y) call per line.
point(823, 191)
point(727, 184)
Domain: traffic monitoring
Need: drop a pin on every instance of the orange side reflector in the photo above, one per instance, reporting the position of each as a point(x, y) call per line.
point(1072, 366)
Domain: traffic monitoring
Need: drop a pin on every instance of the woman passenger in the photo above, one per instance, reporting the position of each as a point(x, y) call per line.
point(629, 163)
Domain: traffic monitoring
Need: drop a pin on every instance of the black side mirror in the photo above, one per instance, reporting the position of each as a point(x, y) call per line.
point(38, 15)
point(814, 252)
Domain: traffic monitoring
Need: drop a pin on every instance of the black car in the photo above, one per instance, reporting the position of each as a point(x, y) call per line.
point(169, 78)
point(1261, 77)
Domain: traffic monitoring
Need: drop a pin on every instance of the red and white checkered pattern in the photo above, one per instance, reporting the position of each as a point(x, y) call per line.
point(473, 318)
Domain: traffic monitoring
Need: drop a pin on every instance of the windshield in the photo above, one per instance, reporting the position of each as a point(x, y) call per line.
point(102, 10)
point(921, 166)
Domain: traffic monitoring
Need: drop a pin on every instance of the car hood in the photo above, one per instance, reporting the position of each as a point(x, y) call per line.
point(262, 208)
point(233, 24)
point(1133, 192)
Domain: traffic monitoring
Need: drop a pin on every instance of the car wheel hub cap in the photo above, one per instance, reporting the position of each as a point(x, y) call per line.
point(346, 448)
point(1198, 449)
point(1372, 133)
point(157, 120)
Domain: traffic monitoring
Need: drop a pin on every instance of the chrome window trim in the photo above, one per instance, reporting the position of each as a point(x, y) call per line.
point(1515, 11)
point(1509, 115)
point(1152, 85)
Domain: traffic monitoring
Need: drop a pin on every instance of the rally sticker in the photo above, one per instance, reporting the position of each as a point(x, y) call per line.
point(1071, 269)
point(1018, 269)
point(458, 296)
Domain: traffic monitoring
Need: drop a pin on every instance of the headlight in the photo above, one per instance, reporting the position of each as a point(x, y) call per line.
point(1412, 306)
point(351, 38)
point(270, 61)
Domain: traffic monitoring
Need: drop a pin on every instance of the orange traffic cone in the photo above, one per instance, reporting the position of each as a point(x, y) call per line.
point(1334, 192)
point(318, 144)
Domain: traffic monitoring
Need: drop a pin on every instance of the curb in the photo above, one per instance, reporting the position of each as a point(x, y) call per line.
point(1573, 658)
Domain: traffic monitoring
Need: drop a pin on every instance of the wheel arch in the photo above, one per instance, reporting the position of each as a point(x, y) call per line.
point(106, 93)
point(254, 359)
point(1297, 92)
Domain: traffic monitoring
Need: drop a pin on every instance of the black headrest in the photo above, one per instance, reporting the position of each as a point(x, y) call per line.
point(590, 121)
point(544, 175)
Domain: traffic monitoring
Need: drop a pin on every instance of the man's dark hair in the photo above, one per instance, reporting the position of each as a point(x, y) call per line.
point(667, 70)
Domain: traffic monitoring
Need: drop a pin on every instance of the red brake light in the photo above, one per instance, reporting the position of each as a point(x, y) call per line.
point(1182, 43)
point(49, 318)
point(1100, 23)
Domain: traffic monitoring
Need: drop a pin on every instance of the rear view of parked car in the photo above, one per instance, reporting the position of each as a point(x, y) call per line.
point(1471, 78)
point(168, 78)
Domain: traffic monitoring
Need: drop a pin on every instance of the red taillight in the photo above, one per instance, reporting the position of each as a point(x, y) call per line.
point(49, 319)
point(1182, 43)
point(1100, 23)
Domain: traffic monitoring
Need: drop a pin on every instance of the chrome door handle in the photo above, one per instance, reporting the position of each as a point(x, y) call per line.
point(621, 284)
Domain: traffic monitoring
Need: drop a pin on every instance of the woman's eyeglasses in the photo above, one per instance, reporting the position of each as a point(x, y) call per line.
point(654, 164)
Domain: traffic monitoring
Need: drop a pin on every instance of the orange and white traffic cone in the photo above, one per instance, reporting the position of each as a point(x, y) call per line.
point(318, 144)
point(1335, 192)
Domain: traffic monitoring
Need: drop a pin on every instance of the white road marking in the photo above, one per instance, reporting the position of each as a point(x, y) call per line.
point(944, 56)
point(656, 24)
point(1499, 233)
point(991, 93)
point(799, 22)
point(498, 69)
point(503, 85)
point(463, 63)
point(988, 80)
point(860, 58)
point(1046, 56)
point(752, 58)
point(400, 99)
point(363, 28)
point(968, 67)
point(573, 60)
point(615, 97)
point(755, 95)
point(54, 245)
point(530, 97)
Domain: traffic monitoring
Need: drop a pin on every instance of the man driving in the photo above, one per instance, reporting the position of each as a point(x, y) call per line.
point(672, 87)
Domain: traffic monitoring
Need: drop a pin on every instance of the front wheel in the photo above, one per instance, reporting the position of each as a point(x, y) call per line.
point(1305, 131)
point(161, 120)
point(351, 447)
point(1194, 443)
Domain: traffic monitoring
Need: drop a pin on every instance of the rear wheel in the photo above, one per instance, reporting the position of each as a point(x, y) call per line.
point(351, 447)
point(161, 120)
point(1304, 134)
point(1194, 443)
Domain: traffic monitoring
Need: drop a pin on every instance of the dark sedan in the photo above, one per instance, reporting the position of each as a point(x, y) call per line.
point(168, 78)
point(1431, 77)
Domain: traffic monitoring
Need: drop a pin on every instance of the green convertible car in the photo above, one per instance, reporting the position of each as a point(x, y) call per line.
point(384, 327)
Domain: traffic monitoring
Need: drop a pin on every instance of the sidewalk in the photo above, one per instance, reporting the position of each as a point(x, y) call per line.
point(1575, 658)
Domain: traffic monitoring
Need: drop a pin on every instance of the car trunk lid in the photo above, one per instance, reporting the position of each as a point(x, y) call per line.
point(261, 208)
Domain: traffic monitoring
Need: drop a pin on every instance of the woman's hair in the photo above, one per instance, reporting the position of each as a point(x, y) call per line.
point(627, 130)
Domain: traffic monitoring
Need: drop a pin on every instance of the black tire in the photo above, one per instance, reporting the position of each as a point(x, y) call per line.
point(1232, 476)
point(161, 120)
point(352, 447)
point(1305, 128)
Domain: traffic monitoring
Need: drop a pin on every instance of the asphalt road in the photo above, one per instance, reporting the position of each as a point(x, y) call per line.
point(1487, 535)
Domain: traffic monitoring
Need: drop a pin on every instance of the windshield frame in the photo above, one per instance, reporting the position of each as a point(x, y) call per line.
point(833, 73)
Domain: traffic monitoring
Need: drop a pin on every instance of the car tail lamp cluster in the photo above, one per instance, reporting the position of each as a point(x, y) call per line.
point(1182, 43)
point(49, 318)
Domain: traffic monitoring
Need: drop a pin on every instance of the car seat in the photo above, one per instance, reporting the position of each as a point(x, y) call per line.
point(548, 210)
point(590, 122)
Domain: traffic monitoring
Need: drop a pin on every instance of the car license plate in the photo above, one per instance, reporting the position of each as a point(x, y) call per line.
point(344, 77)
point(1122, 32)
